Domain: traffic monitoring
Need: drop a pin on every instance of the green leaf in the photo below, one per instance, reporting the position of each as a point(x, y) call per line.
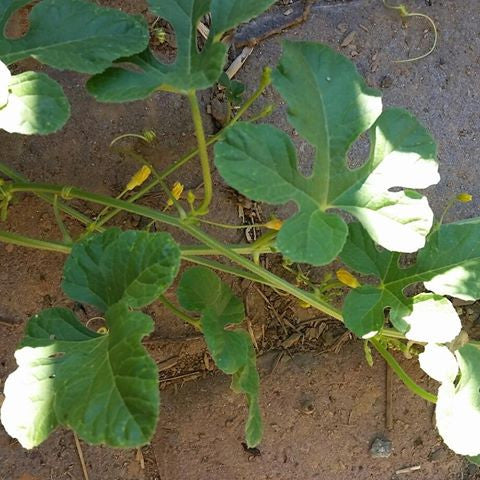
point(104, 387)
point(200, 290)
point(35, 104)
point(133, 267)
point(449, 264)
point(458, 405)
point(192, 69)
point(330, 106)
point(73, 35)
point(227, 14)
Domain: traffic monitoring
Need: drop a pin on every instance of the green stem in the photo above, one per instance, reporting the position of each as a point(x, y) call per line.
point(20, 240)
point(58, 217)
point(180, 314)
point(259, 273)
point(404, 377)
point(72, 212)
point(202, 153)
point(232, 227)
point(186, 251)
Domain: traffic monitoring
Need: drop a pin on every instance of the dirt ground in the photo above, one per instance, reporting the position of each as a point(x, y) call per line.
point(323, 405)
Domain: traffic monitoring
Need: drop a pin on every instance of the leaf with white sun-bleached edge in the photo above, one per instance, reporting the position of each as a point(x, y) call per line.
point(34, 104)
point(104, 387)
point(192, 69)
point(458, 404)
point(449, 264)
point(330, 106)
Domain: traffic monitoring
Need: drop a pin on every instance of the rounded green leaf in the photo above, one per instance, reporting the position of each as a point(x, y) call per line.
point(28, 412)
point(132, 267)
point(104, 387)
point(73, 35)
point(36, 104)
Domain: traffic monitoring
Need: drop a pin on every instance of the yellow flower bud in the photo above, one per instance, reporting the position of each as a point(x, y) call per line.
point(304, 304)
point(347, 278)
point(177, 191)
point(102, 330)
point(274, 224)
point(139, 178)
point(191, 197)
point(464, 197)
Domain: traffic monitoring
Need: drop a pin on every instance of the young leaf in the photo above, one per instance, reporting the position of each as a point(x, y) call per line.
point(200, 290)
point(449, 264)
point(104, 387)
point(192, 69)
point(458, 405)
point(133, 267)
point(330, 106)
point(35, 104)
point(72, 35)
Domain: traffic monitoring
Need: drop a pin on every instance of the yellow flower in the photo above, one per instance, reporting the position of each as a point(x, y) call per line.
point(177, 191)
point(102, 330)
point(464, 197)
point(274, 224)
point(304, 304)
point(139, 178)
point(347, 278)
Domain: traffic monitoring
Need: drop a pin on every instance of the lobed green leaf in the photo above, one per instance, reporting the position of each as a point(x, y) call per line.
point(330, 105)
point(449, 264)
point(192, 69)
point(104, 387)
point(131, 267)
point(200, 290)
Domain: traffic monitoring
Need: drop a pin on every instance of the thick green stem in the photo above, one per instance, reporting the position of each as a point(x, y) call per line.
point(404, 377)
point(202, 153)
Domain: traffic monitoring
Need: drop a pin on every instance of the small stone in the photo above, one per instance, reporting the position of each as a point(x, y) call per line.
point(381, 448)
point(386, 82)
point(308, 407)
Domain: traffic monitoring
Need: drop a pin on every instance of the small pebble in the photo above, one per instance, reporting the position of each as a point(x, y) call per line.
point(381, 448)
